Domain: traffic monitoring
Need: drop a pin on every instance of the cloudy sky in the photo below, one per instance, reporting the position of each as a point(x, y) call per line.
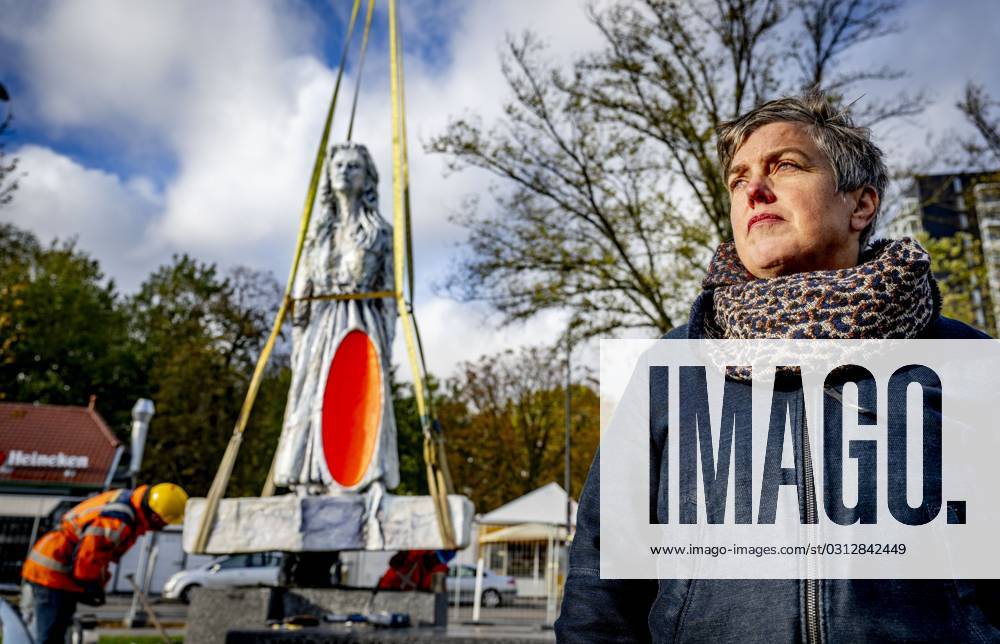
point(148, 128)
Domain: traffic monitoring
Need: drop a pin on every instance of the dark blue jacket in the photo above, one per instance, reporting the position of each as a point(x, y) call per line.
point(782, 610)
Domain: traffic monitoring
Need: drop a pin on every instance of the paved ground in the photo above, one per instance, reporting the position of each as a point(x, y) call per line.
point(519, 614)
point(520, 622)
point(118, 607)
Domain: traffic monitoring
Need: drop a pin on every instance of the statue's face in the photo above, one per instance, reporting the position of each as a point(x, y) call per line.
point(347, 172)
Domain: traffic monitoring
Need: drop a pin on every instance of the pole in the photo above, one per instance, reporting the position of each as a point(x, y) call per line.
point(550, 580)
point(142, 413)
point(135, 616)
point(149, 609)
point(566, 478)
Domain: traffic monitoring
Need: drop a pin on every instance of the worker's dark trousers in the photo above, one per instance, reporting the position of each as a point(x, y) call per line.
point(47, 612)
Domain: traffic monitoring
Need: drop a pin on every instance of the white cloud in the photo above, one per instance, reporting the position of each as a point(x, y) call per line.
point(471, 81)
point(452, 332)
point(232, 95)
point(111, 66)
point(59, 198)
point(244, 165)
point(939, 50)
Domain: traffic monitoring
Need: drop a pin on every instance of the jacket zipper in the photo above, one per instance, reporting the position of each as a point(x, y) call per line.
point(813, 633)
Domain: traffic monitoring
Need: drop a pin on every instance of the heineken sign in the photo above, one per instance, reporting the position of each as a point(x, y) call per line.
point(60, 461)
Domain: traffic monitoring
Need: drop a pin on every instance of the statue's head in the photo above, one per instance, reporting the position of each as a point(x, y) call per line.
point(351, 172)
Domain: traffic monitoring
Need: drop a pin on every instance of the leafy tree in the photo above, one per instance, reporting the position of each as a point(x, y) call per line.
point(263, 430)
point(64, 334)
point(188, 339)
point(505, 421)
point(612, 199)
point(410, 436)
point(957, 263)
point(8, 166)
point(200, 334)
point(17, 249)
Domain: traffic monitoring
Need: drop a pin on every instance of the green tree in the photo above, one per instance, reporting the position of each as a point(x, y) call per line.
point(64, 332)
point(188, 339)
point(609, 198)
point(504, 417)
point(263, 429)
point(957, 263)
point(17, 250)
point(8, 166)
point(200, 334)
point(410, 436)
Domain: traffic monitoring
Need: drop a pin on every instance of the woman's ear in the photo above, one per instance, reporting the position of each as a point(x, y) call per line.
point(866, 205)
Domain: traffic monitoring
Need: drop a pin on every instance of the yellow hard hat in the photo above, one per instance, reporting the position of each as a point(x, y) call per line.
point(167, 501)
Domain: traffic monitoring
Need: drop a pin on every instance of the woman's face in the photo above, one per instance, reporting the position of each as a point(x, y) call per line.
point(347, 172)
point(786, 212)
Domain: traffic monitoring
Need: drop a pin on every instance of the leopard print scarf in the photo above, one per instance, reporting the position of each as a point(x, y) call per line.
point(890, 294)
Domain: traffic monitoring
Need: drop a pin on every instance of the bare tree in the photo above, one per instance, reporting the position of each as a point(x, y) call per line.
point(978, 106)
point(834, 27)
point(505, 415)
point(610, 198)
point(584, 221)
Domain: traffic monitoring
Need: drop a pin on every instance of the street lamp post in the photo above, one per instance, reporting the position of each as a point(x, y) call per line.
point(566, 475)
point(142, 413)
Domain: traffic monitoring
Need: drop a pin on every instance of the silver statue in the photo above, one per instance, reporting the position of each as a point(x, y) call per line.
point(348, 249)
point(337, 450)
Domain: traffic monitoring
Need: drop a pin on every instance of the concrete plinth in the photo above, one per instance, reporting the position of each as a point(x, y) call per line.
point(216, 611)
point(293, 523)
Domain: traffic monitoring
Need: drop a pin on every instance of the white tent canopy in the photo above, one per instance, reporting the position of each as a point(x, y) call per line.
point(546, 505)
point(525, 532)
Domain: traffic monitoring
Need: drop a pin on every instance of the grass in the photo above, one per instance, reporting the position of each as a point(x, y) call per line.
point(126, 639)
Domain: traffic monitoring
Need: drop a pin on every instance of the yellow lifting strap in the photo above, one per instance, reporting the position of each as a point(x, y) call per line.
point(361, 65)
point(438, 479)
point(221, 481)
point(438, 476)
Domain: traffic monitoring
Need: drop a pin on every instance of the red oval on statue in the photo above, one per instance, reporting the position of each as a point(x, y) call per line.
point(352, 408)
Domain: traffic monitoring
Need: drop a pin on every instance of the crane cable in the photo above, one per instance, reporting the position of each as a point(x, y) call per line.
point(221, 481)
point(438, 478)
point(361, 65)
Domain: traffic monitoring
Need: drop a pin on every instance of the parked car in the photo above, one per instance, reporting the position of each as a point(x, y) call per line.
point(257, 569)
point(497, 589)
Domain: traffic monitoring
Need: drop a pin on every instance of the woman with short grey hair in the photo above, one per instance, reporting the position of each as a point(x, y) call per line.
point(855, 159)
point(805, 187)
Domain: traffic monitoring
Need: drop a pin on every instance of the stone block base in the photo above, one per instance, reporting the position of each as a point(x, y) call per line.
point(216, 611)
point(292, 523)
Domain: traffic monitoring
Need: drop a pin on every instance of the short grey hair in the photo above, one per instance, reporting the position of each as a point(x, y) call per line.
point(857, 162)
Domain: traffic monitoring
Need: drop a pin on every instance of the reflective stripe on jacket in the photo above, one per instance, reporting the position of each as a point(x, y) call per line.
point(89, 538)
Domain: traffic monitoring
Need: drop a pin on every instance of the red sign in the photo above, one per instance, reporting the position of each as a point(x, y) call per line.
point(54, 444)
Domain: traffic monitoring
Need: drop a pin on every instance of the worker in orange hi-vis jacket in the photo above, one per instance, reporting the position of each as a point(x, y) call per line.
point(69, 565)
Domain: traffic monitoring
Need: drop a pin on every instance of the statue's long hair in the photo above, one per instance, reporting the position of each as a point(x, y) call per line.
point(370, 220)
